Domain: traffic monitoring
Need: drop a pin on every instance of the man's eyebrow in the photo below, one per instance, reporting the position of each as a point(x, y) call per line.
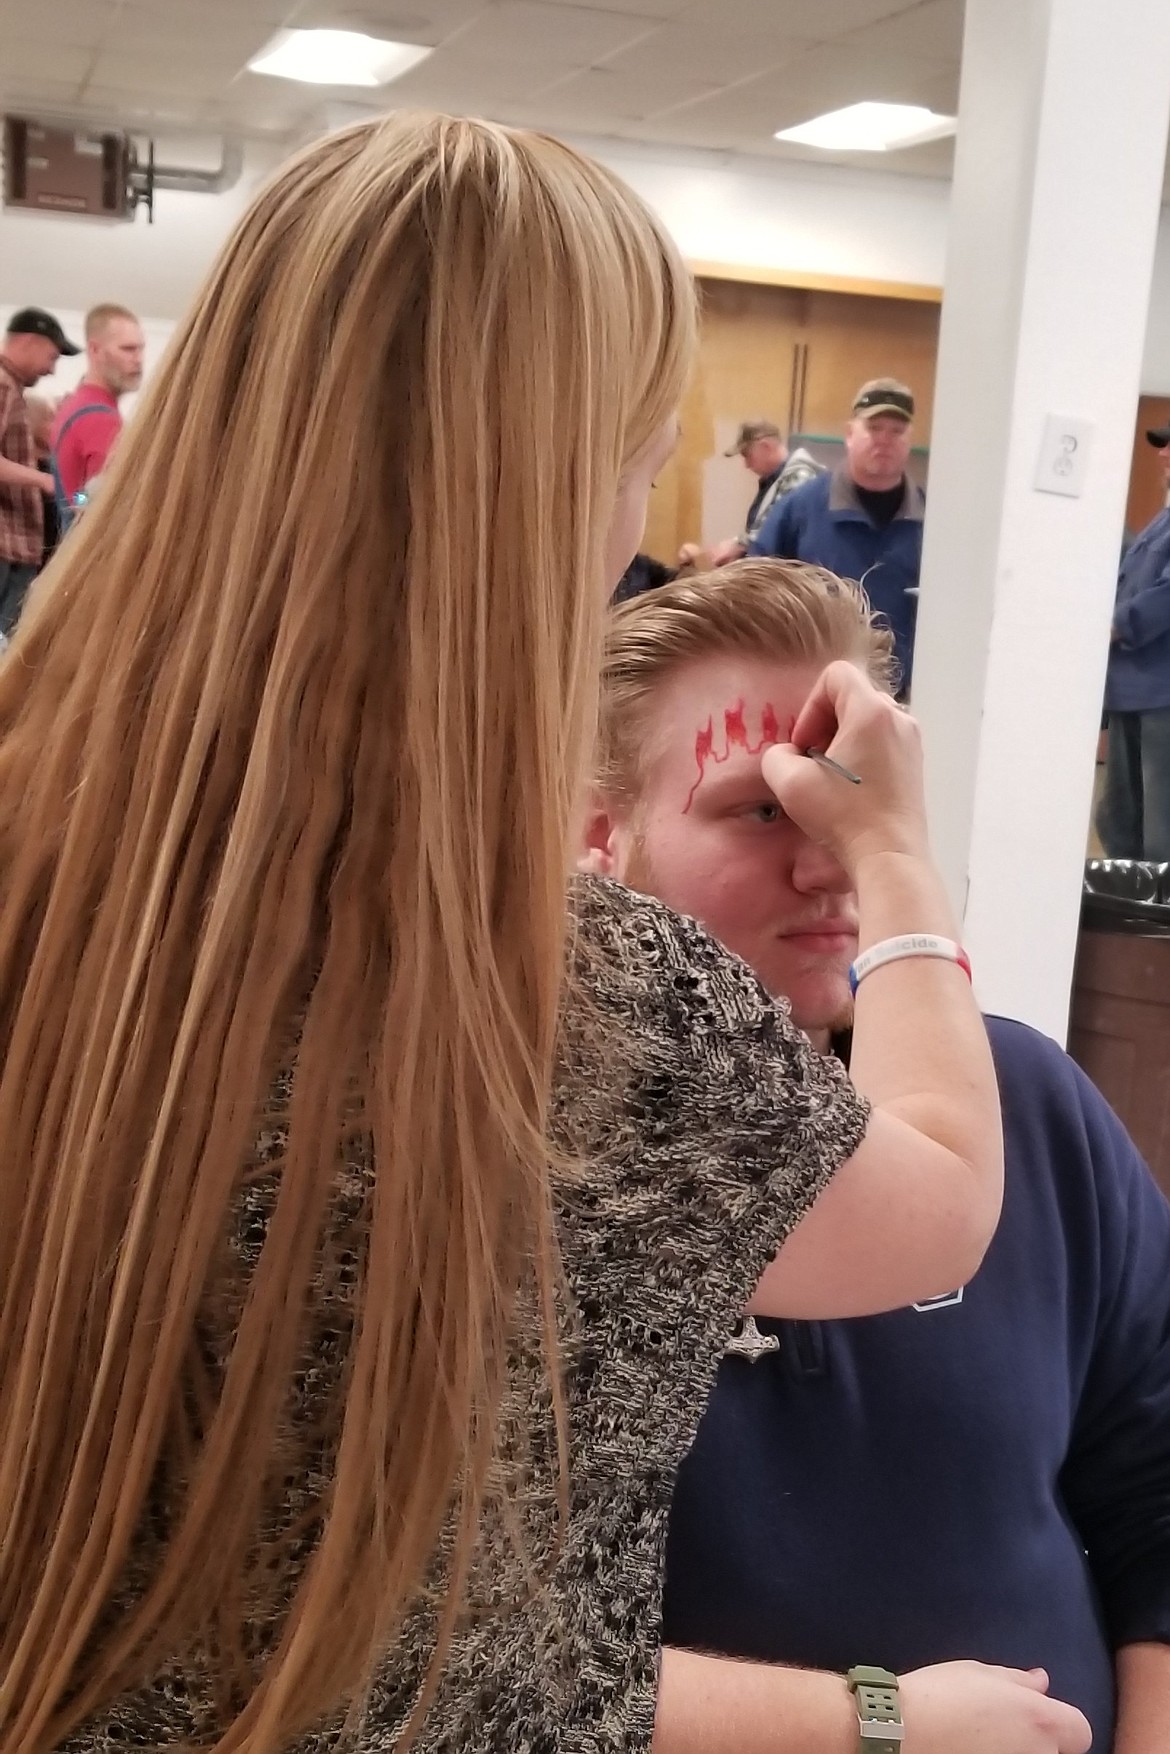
point(709, 754)
point(744, 775)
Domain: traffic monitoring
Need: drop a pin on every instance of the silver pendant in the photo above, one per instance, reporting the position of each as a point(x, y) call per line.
point(749, 1343)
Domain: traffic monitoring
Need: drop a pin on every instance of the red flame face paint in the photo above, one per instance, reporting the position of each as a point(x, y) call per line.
point(735, 736)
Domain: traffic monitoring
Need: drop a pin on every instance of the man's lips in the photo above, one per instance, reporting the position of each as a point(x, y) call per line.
point(823, 934)
point(830, 925)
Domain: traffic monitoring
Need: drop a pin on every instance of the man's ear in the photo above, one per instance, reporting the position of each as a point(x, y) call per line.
point(599, 856)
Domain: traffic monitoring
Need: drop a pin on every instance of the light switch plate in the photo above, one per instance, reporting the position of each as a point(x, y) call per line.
point(1064, 456)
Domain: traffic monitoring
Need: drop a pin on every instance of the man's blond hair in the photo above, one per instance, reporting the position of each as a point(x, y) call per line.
point(775, 609)
point(99, 319)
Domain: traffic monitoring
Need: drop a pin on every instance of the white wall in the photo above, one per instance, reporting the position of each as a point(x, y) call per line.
point(67, 263)
point(816, 218)
point(820, 219)
point(806, 217)
point(828, 220)
point(1156, 355)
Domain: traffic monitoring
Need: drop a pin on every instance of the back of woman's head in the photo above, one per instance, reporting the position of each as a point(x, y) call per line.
point(289, 743)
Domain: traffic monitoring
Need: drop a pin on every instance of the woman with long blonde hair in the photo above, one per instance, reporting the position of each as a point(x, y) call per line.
point(371, 1212)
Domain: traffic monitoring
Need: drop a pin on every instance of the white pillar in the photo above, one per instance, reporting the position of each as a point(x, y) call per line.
point(1059, 164)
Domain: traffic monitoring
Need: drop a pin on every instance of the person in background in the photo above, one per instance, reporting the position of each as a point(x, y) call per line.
point(374, 1203)
point(644, 573)
point(1159, 438)
point(762, 447)
point(864, 519)
point(89, 418)
point(1133, 818)
point(977, 1480)
point(41, 413)
point(33, 343)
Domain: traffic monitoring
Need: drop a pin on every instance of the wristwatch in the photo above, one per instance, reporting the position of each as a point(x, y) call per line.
point(878, 1711)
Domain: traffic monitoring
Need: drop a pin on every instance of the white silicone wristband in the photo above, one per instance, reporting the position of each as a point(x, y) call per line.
point(899, 949)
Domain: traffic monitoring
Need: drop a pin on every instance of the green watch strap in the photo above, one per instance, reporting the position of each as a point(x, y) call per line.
point(879, 1714)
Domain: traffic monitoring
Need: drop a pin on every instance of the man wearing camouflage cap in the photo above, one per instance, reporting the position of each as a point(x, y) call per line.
point(761, 445)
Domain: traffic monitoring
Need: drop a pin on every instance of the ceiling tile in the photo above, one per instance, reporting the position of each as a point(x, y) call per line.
point(823, 20)
point(181, 76)
point(932, 30)
point(194, 13)
point(131, 109)
point(40, 98)
point(204, 70)
point(412, 21)
point(680, 53)
point(55, 25)
point(604, 97)
point(267, 104)
point(772, 28)
point(829, 77)
point(453, 80)
point(528, 31)
point(939, 90)
point(40, 61)
point(689, 73)
point(636, 8)
point(228, 51)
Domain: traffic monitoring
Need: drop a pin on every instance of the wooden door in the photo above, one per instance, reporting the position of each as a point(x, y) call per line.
point(850, 339)
point(744, 372)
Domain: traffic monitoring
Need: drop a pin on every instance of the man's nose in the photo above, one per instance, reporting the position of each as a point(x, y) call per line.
point(816, 871)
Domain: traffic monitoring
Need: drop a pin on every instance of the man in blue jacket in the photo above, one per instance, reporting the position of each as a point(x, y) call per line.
point(964, 1492)
point(1134, 818)
point(863, 521)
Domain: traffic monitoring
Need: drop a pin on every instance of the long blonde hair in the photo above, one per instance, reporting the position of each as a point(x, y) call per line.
point(289, 746)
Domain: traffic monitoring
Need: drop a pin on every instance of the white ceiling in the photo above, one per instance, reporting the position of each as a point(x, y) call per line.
point(723, 74)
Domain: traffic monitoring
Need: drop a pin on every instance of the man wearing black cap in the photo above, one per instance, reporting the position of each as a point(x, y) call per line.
point(761, 445)
point(1134, 818)
point(32, 346)
point(1159, 437)
point(864, 520)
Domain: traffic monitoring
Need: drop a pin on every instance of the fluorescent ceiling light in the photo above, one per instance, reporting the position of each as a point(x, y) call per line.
point(871, 128)
point(336, 57)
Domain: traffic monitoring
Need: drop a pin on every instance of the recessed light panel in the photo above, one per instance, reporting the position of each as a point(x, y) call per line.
point(336, 57)
point(871, 127)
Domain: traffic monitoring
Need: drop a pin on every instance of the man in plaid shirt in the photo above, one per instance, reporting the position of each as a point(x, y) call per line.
point(32, 346)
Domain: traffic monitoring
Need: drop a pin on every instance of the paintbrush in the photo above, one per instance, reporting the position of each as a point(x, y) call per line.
point(823, 760)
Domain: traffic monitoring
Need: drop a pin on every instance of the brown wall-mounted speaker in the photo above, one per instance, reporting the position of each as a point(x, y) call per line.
point(53, 169)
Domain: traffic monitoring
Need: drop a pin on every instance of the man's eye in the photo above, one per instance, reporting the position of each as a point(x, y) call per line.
point(770, 812)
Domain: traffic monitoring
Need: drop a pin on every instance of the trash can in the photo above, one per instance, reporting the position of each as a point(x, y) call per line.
point(1120, 1029)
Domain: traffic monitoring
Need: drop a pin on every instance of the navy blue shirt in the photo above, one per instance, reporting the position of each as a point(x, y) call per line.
point(1138, 679)
point(986, 1476)
point(824, 522)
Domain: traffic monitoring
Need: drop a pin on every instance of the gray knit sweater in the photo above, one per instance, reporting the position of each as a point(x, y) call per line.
point(708, 1143)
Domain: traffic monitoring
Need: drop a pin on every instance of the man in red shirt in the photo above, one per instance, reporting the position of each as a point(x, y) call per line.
point(88, 421)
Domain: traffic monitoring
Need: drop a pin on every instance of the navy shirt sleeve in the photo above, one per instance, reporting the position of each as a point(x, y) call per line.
point(1116, 1480)
point(1146, 615)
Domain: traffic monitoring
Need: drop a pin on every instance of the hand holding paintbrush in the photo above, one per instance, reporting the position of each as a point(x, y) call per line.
point(850, 730)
